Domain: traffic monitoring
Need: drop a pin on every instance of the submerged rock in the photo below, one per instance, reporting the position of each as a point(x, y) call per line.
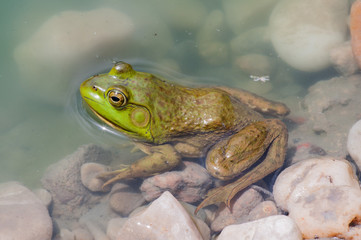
point(124, 199)
point(164, 219)
point(270, 228)
point(63, 180)
point(66, 42)
point(190, 183)
point(322, 196)
point(241, 207)
point(303, 32)
point(354, 143)
point(331, 107)
point(23, 215)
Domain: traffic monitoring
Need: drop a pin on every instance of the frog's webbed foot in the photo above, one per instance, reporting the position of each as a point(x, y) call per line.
point(276, 140)
point(113, 176)
point(162, 158)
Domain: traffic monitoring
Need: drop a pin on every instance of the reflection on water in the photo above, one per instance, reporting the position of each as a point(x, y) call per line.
point(42, 118)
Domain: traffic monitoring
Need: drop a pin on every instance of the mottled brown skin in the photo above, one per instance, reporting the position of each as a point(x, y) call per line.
point(221, 124)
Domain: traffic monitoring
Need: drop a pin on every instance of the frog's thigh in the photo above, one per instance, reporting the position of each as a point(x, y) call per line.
point(239, 152)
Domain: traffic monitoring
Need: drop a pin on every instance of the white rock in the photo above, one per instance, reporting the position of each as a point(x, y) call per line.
point(22, 214)
point(354, 143)
point(303, 32)
point(322, 196)
point(311, 175)
point(328, 212)
point(44, 195)
point(270, 228)
point(164, 219)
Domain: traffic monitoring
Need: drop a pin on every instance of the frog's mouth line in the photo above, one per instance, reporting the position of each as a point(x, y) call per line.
point(116, 127)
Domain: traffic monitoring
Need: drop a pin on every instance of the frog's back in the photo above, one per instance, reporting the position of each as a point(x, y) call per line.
point(200, 112)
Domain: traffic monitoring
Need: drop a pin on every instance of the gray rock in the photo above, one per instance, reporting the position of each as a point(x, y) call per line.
point(63, 180)
point(331, 107)
point(22, 214)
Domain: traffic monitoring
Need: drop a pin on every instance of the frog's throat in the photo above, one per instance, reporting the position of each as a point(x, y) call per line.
point(116, 127)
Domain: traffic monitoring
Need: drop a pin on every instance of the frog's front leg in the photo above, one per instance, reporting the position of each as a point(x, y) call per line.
point(240, 152)
point(161, 158)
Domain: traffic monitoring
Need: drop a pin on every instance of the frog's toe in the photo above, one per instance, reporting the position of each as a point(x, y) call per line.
point(218, 195)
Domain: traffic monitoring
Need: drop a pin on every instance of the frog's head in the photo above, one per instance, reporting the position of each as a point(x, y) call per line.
point(118, 99)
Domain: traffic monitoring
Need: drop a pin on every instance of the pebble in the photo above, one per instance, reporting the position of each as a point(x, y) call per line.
point(89, 173)
point(262, 210)
point(124, 199)
point(241, 15)
point(190, 183)
point(322, 195)
point(270, 228)
point(343, 60)
point(165, 218)
point(303, 32)
point(210, 39)
point(254, 40)
point(22, 214)
point(241, 207)
point(255, 64)
point(354, 143)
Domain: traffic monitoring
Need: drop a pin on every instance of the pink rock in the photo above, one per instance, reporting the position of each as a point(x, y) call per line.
point(189, 184)
point(262, 210)
point(22, 215)
point(164, 219)
point(342, 58)
point(242, 205)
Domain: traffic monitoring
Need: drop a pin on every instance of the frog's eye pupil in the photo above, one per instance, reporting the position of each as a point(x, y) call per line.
point(117, 98)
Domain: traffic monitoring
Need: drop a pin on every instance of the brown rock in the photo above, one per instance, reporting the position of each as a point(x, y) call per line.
point(124, 199)
point(190, 183)
point(241, 207)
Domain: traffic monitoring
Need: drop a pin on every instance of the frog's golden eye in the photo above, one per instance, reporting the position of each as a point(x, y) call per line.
point(117, 98)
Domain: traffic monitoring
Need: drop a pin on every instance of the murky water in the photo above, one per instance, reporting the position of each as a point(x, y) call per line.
point(41, 123)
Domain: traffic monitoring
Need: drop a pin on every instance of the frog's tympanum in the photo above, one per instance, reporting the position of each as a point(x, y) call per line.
point(171, 121)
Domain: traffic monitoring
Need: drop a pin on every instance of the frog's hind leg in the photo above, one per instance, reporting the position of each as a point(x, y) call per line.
point(258, 103)
point(273, 160)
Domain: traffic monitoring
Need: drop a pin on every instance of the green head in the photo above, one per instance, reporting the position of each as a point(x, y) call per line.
point(118, 99)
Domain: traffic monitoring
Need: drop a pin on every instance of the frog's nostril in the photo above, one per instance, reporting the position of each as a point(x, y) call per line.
point(94, 88)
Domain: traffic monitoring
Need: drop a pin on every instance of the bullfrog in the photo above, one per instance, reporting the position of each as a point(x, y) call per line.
point(170, 122)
